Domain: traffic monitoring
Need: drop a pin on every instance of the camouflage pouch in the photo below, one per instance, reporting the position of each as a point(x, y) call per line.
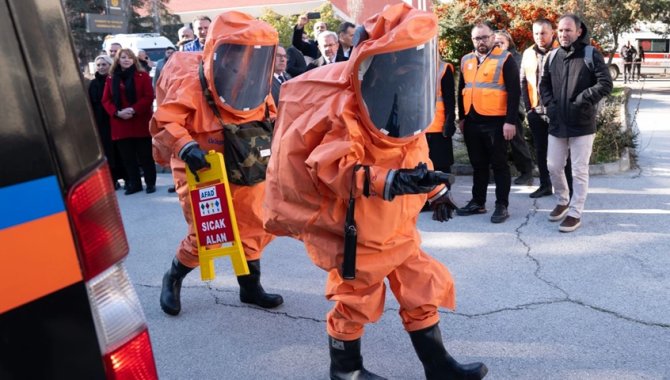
point(246, 147)
point(246, 151)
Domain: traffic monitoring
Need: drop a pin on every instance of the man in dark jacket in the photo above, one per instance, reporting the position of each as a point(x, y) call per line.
point(570, 91)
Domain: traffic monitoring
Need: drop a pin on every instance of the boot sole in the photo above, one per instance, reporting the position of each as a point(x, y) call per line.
point(259, 304)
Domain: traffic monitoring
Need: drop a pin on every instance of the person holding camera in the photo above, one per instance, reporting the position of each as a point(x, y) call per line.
point(348, 177)
point(309, 48)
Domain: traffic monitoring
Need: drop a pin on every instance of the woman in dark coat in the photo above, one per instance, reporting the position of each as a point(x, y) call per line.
point(95, 90)
point(128, 99)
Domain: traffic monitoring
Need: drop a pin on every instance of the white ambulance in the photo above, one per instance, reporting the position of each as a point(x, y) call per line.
point(656, 53)
point(152, 43)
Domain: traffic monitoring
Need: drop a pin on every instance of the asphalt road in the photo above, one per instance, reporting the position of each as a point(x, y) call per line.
point(533, 303)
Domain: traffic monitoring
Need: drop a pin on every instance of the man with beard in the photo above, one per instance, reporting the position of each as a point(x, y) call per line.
point(571, 91)
point(488, 105)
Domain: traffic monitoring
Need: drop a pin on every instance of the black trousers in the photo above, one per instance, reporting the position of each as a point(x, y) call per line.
point(134, 152)
point(637, 66)
point(440, 151)
point(488, 148)
point(540, 130)
point(523, 161)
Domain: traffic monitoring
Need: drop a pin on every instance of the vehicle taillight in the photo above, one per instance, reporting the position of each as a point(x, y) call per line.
point(97, 222)
point(101, 241)
point(133, 360)
point(116, 309)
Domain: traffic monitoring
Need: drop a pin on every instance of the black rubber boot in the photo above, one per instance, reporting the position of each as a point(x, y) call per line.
point(170, 293)
point(346, 362)
point(437, 362)
point(251, 290)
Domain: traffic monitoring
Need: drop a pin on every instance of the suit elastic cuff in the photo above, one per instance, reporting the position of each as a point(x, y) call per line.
point(186, 146)
point(387, 185)
point(436, 193)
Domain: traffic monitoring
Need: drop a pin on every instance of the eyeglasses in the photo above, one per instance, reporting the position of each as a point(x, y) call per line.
point(481, 38)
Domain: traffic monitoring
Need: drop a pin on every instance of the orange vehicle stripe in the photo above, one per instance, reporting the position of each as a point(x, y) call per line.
point(44, 255)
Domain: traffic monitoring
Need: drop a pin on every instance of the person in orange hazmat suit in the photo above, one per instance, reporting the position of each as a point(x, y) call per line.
point(237, 62)
point(352, 133)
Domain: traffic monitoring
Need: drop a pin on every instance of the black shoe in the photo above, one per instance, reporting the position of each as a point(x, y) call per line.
point(172, 189)
point(171, 290)
point(132, 190)
point(542, 191)
point(437, 363)
point(471, 208)
point(524, 179)
point(251, 290)
point(346, 362)
point(500, 214)
point(151, 189)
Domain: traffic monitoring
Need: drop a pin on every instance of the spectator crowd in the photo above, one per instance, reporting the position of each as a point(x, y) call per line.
point(490, 110)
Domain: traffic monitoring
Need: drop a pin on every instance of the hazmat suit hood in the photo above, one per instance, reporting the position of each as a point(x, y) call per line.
point(238, 61)
point(394, 72)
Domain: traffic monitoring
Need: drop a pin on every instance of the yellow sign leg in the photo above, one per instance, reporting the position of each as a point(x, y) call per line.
point(213, 178)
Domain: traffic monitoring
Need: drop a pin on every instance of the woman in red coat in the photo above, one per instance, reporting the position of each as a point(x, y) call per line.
point(128, 99)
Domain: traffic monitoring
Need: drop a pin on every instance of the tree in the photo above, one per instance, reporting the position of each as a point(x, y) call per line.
point(88, 44)
point(457, 17)
point(608, 19)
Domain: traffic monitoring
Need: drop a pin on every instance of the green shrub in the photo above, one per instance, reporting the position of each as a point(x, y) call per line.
point(612, 137)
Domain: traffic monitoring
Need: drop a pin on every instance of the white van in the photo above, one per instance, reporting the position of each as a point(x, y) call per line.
point(656, 53)
point(152, 43)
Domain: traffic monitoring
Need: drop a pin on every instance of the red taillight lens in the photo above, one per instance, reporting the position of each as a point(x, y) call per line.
point(97, 222)
point(132, 361)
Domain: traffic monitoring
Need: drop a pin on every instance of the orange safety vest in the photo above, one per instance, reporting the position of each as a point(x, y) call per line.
point(438, 122)
point(529, 65)
point(484, 83)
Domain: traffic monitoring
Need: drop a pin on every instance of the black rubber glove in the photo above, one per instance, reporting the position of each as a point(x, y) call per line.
point(419, 180)
point(195, 159)
point(443, 207)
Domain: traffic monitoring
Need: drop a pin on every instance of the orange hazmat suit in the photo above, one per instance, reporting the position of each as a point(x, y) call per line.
point(323, 130)
point(184, 117)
